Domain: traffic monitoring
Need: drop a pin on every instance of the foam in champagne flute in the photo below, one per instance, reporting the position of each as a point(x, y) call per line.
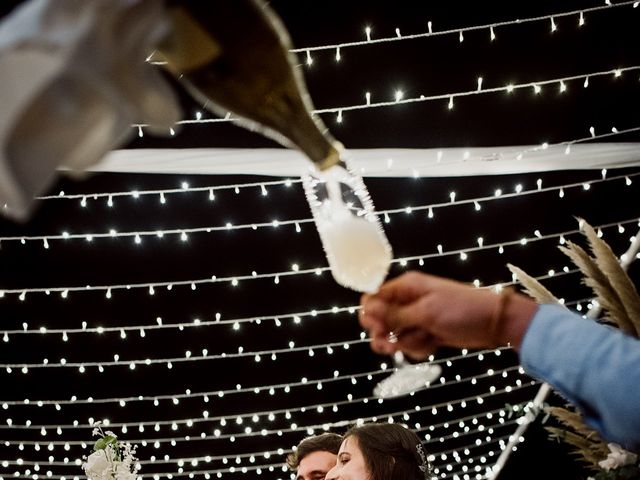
point(357, 249)
point(357, 256)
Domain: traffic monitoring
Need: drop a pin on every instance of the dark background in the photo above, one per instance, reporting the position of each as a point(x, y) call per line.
point(298, 387)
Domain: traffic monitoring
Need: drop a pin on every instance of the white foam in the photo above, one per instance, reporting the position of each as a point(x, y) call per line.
point(358, 252)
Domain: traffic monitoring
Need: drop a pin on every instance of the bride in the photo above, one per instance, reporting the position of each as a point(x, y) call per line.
point(380, 451)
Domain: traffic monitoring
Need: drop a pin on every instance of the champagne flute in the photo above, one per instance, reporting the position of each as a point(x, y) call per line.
point(354, 242)
point(408, 377)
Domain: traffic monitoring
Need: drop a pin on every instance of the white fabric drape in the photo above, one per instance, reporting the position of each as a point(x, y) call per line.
point(393, 162)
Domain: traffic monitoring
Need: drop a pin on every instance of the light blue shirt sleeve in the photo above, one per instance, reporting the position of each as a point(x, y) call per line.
point(594, 366)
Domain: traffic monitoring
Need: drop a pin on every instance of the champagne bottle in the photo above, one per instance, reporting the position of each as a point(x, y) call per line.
point(235, 54)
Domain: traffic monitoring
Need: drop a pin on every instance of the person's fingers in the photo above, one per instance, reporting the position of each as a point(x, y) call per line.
point(403, 306)
point(409, 324)
point(364, 297)
point(404, 288)
point(419, 350)
point(379, 318)
point(372, 316)
point(382, 346)
point(402, 318)
point(414, 344)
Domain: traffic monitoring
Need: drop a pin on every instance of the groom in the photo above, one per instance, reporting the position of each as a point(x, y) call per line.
point(315, 456)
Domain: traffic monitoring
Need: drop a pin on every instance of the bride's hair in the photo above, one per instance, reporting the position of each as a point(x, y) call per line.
point(391, 451)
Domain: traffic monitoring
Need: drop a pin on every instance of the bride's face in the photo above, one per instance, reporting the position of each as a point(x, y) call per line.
point(350, 464)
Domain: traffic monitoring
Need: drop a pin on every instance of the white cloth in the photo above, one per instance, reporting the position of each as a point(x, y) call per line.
point(377, 162)
point(73, 78)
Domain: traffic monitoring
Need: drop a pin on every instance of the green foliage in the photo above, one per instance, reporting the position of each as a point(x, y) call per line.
point(104, 442)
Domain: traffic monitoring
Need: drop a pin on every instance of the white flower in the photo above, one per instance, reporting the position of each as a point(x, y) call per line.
point(619, 457)
point(123, 472)
point(97, 429)
point(112, 460)
point(98, 465)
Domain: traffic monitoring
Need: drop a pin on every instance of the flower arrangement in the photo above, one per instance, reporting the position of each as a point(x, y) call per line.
point(111, 459)
point(618, 297)
point(619, 465)
point(609, 460)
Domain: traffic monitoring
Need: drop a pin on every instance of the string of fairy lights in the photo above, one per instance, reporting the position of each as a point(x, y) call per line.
point(181, 461)
point(174, 439)
point(194, 462)
point(173, 423)
point(465, 424)
point(37, 447)
point(218, 472)
point(399, 95)
point(478, 397)
point(250, 432)
point(258, 469)
point(296, 317)
point(580, 13)
point(386, 214)
point(280, 452)
point(561, 83)
point(250, 457)
point(153, 287)
point(460, 426)
point(257, 415)
point(271, 389)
